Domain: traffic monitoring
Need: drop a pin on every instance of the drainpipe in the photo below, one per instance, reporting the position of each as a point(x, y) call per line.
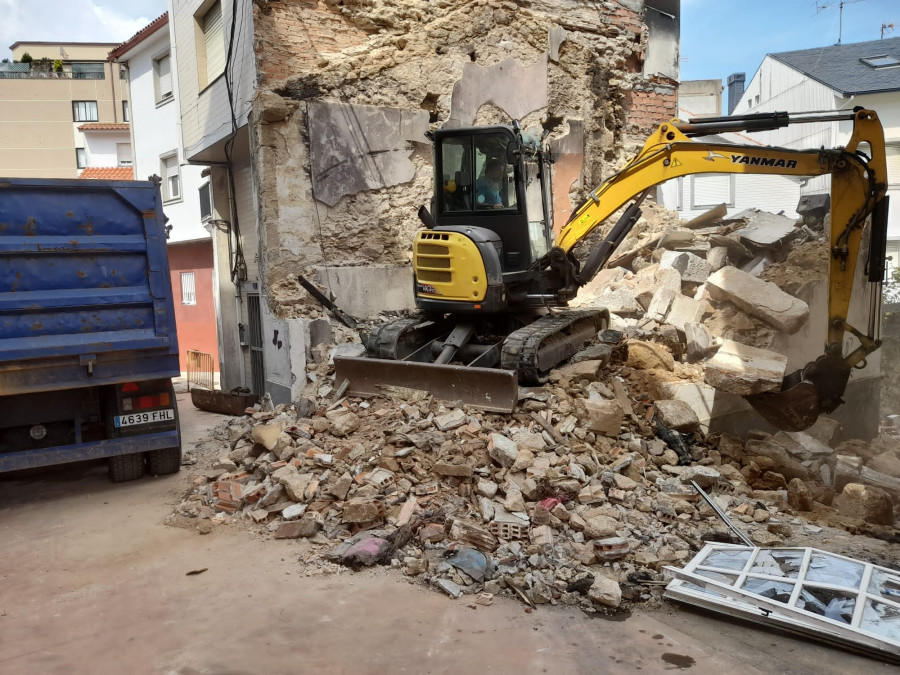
point(112, 89)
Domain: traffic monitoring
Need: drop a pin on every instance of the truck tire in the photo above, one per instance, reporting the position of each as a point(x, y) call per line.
point(126, 467)
point(164, 461)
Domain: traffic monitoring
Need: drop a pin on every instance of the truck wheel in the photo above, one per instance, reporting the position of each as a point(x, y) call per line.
point(126, 467)
point(165, 461)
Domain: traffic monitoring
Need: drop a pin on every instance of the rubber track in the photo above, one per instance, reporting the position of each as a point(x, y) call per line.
point(521, 347)
point(387, 338)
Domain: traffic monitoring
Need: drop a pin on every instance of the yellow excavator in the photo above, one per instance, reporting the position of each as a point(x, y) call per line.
point(492, 284)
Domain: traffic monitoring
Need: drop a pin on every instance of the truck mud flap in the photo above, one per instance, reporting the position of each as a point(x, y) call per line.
point(487, 388)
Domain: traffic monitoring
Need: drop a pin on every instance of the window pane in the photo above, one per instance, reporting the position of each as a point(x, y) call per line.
point(495, 186)
point(457, 175)
point(80, 160)
point(205, 203)
point(126, 113)
point(534, 202)
point(88, 71)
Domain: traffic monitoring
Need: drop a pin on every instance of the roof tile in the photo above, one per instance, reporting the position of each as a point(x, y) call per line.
point(108, 173)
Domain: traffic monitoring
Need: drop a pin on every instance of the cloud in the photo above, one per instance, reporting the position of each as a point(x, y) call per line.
point(70, 21)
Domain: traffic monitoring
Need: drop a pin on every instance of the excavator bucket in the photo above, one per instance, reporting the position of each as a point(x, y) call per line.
point(805, 394)
point(793, 409)
point(487, 388)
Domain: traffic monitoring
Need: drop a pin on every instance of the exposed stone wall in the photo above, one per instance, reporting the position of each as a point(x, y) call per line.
point(437, 62)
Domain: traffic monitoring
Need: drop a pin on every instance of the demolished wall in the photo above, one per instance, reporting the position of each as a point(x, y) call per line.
point(348, 88)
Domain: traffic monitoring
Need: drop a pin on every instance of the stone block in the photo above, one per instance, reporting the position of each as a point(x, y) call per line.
point(699, 341)
point(717, 257)
point(600, 527)
point(583, 370)
point(266, 434)
point(677, 415)
point(740, 369)
point(605, 592)
point(865, 502)
point(620, 301)
point(685, 310)
point(704, 476)
point(660, 304)
point(453, 466)
point(692, 268)
point(603, 417)
point(343, 422)
point(649, 355)
point(799, 497)
point(362, 511)
point(503, 450)
point(759, 298)
point(451, 420)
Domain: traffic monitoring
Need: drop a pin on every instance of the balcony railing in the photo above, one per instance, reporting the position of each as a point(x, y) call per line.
point(29, 71)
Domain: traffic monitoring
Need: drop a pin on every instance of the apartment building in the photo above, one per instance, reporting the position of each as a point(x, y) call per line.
point(147, 58)
point(214, 85)
point(62, 111)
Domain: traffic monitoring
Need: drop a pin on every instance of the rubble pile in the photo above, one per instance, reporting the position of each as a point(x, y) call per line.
point(580, 497)
point(715, 286)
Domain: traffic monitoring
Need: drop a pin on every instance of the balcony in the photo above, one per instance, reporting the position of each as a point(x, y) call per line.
point(45, 70)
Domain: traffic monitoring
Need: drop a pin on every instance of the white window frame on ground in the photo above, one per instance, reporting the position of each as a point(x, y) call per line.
point(210, 39)
point(188, 289)
point(80, 158)
point(162, 78)
point(171, 176)
point(84, 111)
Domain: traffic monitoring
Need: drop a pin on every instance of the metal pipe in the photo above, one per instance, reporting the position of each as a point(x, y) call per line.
point(715, 507)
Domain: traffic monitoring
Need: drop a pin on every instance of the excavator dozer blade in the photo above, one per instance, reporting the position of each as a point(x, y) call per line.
point(487, 388)
point(793, 409)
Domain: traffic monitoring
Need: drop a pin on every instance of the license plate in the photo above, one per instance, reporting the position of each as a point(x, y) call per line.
point(145, 418)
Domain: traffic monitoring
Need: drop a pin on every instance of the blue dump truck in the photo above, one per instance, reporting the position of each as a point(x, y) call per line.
point(87, 327)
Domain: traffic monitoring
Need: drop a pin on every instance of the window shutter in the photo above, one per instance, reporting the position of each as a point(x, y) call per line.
point(893, 163)
point(711, 189)
point(164, 72)
point(214, 38)
point(171, 166)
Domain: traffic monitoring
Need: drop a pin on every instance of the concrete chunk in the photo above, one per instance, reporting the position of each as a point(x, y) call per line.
point(686, 310)
point(759, 298)
point(604, 417)
point(503, 450)
point(741, 369)
point(677, 415)
point(692, 268)
point(620, 301)
point(659, 304)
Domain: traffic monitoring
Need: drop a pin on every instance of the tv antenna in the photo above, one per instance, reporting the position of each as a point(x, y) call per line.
point(886, 27)
point(821, 6)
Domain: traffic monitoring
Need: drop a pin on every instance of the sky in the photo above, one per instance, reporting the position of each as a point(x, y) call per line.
point(74, 20)
point(721, 37)
point(718, 37)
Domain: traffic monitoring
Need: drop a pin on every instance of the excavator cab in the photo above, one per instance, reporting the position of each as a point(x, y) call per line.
point(491, 221)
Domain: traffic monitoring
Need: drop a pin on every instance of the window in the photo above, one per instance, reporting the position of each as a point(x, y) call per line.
point(882, 61)
point(210, 44)
point(171, 178)
point(892, 153)
point(80, 158)
point(483, 158)
point(205, 202)
point(126, 112)
point(712, 189)
point(188, 290)
point(123, 154)
point(88, 71)
point(84, 111)
point(162, 73)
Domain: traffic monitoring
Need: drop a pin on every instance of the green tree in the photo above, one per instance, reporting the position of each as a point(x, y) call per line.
point(26, 58)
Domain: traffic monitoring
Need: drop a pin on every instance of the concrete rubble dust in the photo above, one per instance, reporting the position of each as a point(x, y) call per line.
point(583, 495)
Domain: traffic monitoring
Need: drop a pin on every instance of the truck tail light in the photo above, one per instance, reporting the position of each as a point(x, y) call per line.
point(144, 402)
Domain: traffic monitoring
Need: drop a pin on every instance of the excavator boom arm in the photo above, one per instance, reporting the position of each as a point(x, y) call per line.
point(859, 182)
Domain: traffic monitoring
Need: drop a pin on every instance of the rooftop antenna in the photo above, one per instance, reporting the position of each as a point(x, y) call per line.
point(821, 6)
point(886, 27)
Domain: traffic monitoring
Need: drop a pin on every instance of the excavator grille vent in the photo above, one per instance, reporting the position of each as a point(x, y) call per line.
point(432, 249)
point(432, 262)
point(434, 276)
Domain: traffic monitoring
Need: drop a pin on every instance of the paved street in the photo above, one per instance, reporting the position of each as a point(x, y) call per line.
point(93, 582)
